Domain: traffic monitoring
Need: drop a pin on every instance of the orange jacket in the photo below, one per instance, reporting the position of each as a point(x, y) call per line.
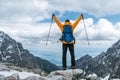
point(67, 23)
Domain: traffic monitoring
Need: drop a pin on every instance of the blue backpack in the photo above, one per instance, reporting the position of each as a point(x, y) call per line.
point(67, 34)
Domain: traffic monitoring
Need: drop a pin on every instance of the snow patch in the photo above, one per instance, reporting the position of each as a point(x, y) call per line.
point(10, 51)
point(19, 53)
point(57, 77)
point(5, 58)
point(10, 47)
point(22, 75)
point(106, 78)
point(92, 76)
point(8, 57)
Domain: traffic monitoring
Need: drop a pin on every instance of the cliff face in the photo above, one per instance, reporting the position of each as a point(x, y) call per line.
point(13, 52)
point(84, 61)
point(107, 63)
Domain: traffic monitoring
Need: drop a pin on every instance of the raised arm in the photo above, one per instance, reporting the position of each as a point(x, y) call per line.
point(58, 22)
point(77, 21)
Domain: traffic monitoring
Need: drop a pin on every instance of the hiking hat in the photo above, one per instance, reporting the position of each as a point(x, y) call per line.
point(67, 20)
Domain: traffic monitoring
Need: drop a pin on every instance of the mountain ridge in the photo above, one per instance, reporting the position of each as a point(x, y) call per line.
point(106, 63)
point(13, 52)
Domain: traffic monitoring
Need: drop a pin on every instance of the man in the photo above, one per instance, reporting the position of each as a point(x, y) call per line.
point(67, 39)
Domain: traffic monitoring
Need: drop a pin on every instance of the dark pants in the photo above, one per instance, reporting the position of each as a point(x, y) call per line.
point(71, 49)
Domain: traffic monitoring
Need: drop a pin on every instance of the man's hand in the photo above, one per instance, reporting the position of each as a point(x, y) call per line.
point(53, 15)
point(82, 15)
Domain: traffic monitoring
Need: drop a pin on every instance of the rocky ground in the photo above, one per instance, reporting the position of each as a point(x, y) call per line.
point(10, 72)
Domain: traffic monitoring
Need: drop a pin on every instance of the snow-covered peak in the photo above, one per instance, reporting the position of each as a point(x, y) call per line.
point(107, 63)
point(116, 45)
point(2, 33)
point(4, 36)
point(12, 51)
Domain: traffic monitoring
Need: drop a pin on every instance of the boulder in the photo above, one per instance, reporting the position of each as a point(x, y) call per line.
point(58, 77)
point(36, 78)
point(2, 77)
point(13, 77)
point(68, 74)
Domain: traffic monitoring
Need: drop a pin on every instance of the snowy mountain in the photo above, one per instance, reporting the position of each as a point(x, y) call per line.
point(84, 61)
point(107, 63)
point(13, 52)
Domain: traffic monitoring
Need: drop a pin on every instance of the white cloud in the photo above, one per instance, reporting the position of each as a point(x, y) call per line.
point(102, 30)
point(30, 11)
point(103, 33)
point(97, 8)
point(17, 18)
point(24, 11)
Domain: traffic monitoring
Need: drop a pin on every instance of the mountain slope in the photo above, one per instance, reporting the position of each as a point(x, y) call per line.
point(13, 52)
point(107, 63)
point(84, 61)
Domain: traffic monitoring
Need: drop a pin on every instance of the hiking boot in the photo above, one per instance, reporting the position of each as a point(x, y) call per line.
point(64, 68)
point(73, 67)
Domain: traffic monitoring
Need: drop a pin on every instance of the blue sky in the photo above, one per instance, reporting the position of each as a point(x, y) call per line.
point(28, 21)
point(113, 18)
point(70, 15)
point(73, 16)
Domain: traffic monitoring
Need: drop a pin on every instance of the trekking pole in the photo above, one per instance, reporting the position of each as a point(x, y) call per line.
point(85, 31)
point(49, 31)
